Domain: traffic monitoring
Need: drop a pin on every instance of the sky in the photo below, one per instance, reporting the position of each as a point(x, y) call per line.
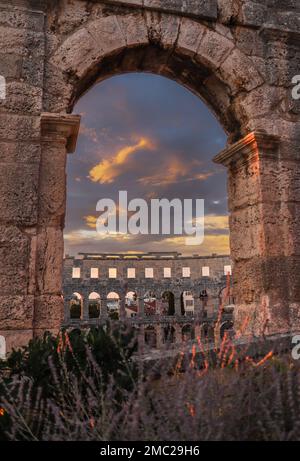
point(153, 138)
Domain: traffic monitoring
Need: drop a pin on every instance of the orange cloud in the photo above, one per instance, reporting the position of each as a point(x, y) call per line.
point(108, 170)
point(218, 244)
point(91, 221)
point(174, 171)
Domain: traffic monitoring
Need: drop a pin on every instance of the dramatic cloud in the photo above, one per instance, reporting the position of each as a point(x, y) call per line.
point(108, 170)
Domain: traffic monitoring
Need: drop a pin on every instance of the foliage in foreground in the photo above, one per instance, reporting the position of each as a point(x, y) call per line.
point(89, 388)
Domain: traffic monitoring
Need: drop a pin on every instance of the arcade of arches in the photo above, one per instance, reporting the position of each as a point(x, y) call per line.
point(239, 56)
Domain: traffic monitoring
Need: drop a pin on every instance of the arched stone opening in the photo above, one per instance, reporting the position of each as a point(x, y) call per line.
point(113, 305)
point(151, 337)
point(169, 334)
point(226, 297)
point(150, 303)
point(188, 333)
point(208, 332)
point(187, 303)
point(76, 306)
point(168, 303)
point(226, 328)
point(131, 304)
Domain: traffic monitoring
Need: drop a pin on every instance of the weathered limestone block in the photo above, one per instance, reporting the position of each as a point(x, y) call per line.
point(238, 70)
point(162, 29)
point(72, 14)
point(19, 204)
point(22, 42)
point(214, 49)
point(20, 18)
point(16, 312)
point(14, 257)
point(22, 98)
point(199, 8)
point(107, 34)
point(20, 152)
point(190, 36)
point(19, 127)
point(48, 313)
point(260, 102)
point(134, 29)
point(10, 65)
point(49, 268)
point(52, 190)
point(249, 41)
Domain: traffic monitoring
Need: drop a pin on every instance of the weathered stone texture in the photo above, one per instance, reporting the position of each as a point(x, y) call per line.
point(238, 55)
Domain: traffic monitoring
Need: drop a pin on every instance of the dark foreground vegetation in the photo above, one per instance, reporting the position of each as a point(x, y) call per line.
point(94, 387)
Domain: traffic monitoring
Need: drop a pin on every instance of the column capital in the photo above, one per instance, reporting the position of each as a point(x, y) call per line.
point(61, 127)
point(255, 145)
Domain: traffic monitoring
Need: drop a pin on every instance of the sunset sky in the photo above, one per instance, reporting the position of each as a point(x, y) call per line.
point(153, 138)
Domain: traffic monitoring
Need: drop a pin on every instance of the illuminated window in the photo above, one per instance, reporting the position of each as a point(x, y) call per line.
point(94, 273)
point(205, 271)
point(149, 273)
point(112, 273)
point(76, 273)
point(131, 273)
point(167, 272)
point(186, 272)
point(227, 270)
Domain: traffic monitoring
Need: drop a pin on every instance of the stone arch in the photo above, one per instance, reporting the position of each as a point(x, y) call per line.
point(226, 327)
point(234, 60)
point(94, 305)
point(208, 332)
point(150, 303)
point(113, 305)
point(200, 58)
point(2, 347)
point(131, 303)
point(151, 337)
point(226, 296)
point(168, 303)
point(169, 333)
point(76, 306)
point(187, 302)
point(188, 333)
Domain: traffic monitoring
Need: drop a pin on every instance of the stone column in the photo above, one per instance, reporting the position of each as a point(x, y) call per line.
point(85, 308)
point(177, 301)
point(103, 309)
point(67, 305)
point(59, 134)
point(198, 308)
point(122, 307)
point(264, 229)
point(178, 333)
point(141, 307)
point(159, 337)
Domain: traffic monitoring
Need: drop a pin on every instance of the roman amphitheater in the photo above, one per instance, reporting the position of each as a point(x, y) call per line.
point(168, 297)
